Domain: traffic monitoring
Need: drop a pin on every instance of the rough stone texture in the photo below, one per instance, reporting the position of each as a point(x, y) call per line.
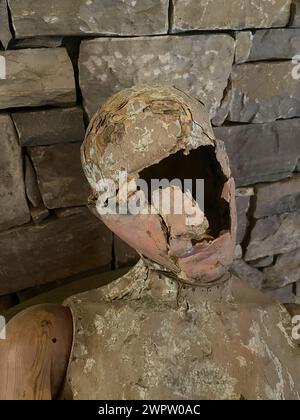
point(262, 152)
point(71, 211)
point(60, 175)
point(54, 126)
point(282, 295)
point(198, 64)
point(274, 235)
point(277, 197)
point(295, 15)
point(249, 274)
point(36, 77)
point(238, 252)
point(13, 205)
point(124, 254)
point(39, 214)
point(54, 250)
point(264, 92)
point(286, 270)
point(262, 262)
point(32, 189)
point(267, 44)
point(82, 17)
point(242, 206)
point(243, 44)
point(5, 34)
point(233, 14)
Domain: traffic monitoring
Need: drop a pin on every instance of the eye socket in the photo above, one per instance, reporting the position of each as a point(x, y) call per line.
point(54, 340)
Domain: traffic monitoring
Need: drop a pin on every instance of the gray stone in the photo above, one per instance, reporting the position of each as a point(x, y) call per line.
point(124, 255)
point(13, 205)
point(5, 34)
point(40, 42)
point(54, 126)
point(262, 152)
point(274, 235)
point(268, 44)
point(67, 212)
point(243, 45)
point(286, 270)
point(31, 185)
point(199, 64)
point(238, 252)
point(264, 92)
point(242, 206)
point(60, 175)
point(295, 14)
point(86, 18)
point(262, 262)
point(39, 214)
point(244, 192)
point(36, 77)
point(249, 274)
point(233, 14)
point(56, 249)
point(277, 197)
point(282, 295)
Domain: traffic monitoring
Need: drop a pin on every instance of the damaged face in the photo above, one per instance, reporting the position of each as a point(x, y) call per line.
point(154, 133)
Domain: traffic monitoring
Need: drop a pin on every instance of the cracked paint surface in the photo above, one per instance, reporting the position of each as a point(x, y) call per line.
point(173, 327)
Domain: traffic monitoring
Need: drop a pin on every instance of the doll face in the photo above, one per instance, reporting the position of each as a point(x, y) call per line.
point(154, 133)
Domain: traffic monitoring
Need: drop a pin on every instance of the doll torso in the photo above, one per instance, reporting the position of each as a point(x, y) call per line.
point(147, 337)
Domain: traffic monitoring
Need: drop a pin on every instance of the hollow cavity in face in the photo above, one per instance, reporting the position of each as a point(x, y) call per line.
point(156, 133)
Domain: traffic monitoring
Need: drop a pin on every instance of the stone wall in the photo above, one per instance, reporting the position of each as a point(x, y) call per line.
point(64, 58)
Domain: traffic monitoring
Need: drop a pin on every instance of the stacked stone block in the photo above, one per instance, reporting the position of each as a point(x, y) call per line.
point(240, 58)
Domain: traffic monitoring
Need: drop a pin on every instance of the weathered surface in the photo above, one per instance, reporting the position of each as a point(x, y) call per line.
point(282, 295)
point(123, 135)
point(295, 14)
point(238, 252)
point(264, 92)
point(32, 188)
point(60, 176)
point(54, 126)
point(233, 14)
point(274, 235)
point(5, 34)
point(245, 272)
point(82, 17)
point(262, 152)
point(286, 270)
point(13, 205)
point(198, 64)
point(243, 44)
point(39, 214)
point(166, 342)
point(36, 77)
point(242, 207)
point(268, 44)
point(124, 254)
point(277, 197)
point(262, 262)
point(53, 250)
